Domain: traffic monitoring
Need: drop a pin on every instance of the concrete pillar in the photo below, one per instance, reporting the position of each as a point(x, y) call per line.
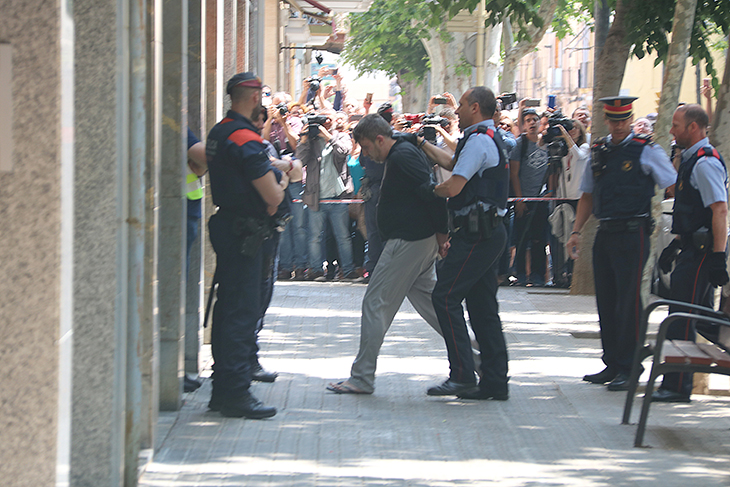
point(213, 114)
point(270, 45)
point(100, 241)
point(35, 204)
point(173, 208)
point(193, 290)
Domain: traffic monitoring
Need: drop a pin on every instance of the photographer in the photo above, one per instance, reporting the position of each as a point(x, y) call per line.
point(312, 92)
point(276, 128)
point(566, 184)
point(528, 168)
point(323, 148)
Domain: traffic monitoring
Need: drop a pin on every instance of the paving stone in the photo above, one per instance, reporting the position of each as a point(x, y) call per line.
point(554, 430)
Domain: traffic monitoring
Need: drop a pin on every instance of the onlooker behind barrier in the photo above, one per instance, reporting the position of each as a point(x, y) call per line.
point(566, 183)
point(528, 167)
point(323, 148)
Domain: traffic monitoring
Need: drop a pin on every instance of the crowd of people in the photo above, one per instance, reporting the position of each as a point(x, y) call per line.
point(441, 208)
point(333, 232)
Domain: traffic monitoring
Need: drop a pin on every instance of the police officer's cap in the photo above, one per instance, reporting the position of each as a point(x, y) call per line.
point(247, 79)
point(618, 107)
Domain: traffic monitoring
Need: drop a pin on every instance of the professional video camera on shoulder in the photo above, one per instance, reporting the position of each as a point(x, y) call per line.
point(557, 147)
point(428, 131)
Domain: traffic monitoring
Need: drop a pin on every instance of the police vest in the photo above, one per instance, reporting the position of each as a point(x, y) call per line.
point(229, 189)
point(193, 186)
point(689, 213)
point(621, 189)
point(493, 185)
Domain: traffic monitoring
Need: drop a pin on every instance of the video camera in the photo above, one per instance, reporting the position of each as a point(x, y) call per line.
point(507, 100)
point(314, 83)
point(428, 131)
point(557, 147)
point(313, 122)
point(411, 118)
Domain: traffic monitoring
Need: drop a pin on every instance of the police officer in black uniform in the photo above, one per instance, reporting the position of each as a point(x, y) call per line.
point(700, 223)
point(477, 192)
point(617, 186)
point(247, 191)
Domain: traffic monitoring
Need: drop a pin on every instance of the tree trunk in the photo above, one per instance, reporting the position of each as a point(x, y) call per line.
point(684, 15)
point(445, 58)
point(414, 96)
point(720, 130)
point(608, 74)
point(609, 68)
point(492, 57)
point(515, 53)
point(601, 14)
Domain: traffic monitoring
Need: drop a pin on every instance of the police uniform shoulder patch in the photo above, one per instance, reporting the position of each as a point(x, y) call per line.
point(643, 138)
point(243, 136)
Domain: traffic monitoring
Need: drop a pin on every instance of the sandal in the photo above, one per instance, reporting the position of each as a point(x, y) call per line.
point(344, 387)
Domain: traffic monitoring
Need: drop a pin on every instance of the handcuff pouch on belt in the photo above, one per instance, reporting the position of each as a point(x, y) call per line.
point(477, 222)
point(701, 240)
point(252, 234)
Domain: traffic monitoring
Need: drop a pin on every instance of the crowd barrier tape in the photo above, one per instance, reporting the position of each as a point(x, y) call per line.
point(509, 200)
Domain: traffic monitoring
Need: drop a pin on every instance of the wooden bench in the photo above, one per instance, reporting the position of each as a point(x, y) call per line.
point(677, 355)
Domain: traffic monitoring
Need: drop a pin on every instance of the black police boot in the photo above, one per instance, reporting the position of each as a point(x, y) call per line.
point(260, 375)
point(606, 375)
point(246, 406)
point(190, 384)
point(450, 388)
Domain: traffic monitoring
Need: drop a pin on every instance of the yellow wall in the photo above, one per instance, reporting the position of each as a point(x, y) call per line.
point(644, 80)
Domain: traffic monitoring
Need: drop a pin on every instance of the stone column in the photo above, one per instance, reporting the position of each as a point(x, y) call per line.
point(193, 301)
point(173, 208)
point(213, 107)
point(34, 214)
point(99, 348)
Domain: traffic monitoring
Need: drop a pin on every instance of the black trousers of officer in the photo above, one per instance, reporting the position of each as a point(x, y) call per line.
point(237, 310)
point(690, 284)
point(618, 263)
point(469, 272)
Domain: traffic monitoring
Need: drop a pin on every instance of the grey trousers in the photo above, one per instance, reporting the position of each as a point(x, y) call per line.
point(405, 270)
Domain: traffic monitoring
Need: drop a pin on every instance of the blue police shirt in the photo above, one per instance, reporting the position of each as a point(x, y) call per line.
point(479, 154)
point(708, 175)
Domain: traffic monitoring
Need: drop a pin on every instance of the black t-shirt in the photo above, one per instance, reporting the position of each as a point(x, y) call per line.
point(407, 208)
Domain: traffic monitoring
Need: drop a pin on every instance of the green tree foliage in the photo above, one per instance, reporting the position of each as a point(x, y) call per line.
point(521, 12)
point(650, 22)
point(570, 13)
point(388, 38)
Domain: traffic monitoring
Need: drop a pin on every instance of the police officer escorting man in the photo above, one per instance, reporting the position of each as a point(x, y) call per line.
point(700, 223)
point(247, 191)
point(617, 186)
point(477, 192)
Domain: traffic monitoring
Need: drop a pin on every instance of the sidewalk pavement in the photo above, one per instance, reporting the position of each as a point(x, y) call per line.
point(554, 430)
